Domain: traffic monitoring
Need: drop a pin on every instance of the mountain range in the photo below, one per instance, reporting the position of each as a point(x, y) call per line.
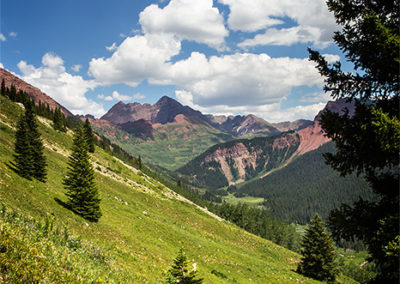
point(240, 160)
point(169, 134)
point(214, 152)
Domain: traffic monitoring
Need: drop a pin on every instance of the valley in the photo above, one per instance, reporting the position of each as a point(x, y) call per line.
point(144, 221)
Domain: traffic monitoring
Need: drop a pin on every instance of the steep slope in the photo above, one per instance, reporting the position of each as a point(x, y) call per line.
point(169, 145)
point(239, 160)
point(143, 225)
point(229, 164)
point(36, 94)
point(306, 186)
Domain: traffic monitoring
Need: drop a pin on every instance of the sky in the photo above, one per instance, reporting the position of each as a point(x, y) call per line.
point(219, 57)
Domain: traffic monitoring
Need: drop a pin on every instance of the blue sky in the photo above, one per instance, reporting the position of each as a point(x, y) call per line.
point(221, 57)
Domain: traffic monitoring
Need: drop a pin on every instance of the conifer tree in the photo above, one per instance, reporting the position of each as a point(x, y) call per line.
point(367, 142)
point(179, 272)
point(59, 120)
point(22, 147)
point(89, 136)
point(83, 196)
point(12, 93)
point(318, 254)
point(29, 151)
point(37, 149)
point(3, 88)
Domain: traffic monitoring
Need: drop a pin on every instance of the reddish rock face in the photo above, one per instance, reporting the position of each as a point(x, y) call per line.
point(36, 94)
point(313, 137)
point(164, 111)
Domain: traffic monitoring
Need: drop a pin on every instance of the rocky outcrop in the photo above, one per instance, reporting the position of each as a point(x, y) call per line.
point(239, 160)
point(164, 111)
point(313, 136)
point(36, 94)
point(140, 128)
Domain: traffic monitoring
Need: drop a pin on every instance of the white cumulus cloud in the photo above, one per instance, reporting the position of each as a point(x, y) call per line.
point(187, 19)
point(314, 23)
point(283, 36)
point(270, 112)
point(112, 47)
point(13, 34)
point(66, 89)
point(76, 67)
point(137, 58)
point(241, 79)
point(116, 96)
point(2, 37)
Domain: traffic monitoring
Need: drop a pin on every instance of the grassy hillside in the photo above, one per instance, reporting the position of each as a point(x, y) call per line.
point(143, 226)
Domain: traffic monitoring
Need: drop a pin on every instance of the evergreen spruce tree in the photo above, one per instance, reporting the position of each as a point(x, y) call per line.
point(59, 120)
point(3, 88)
point(367, 142)
point(29, 157)
point(83, 196)
point(12, 93)
point(22, 147)
point(179, 272)
point(37, 149)
point(89, 136)
point(318, 254)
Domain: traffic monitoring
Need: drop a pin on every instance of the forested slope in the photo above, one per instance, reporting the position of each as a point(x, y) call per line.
point(306, 186)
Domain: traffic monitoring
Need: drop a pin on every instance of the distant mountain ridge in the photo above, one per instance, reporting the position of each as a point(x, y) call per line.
point(36, 94)
point(240, 160)
point(163, 111)
point(166, 109)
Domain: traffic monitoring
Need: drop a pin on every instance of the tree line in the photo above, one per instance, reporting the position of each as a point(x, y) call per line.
point(30, 161)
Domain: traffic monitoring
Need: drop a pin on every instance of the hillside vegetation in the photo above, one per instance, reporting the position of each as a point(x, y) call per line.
point(144, 224)
point(170, 146)
point(306, 186)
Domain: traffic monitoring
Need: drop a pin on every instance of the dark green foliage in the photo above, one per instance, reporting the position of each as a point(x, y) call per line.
point(3, 88)
point(305, 186)
point(368, 142)
point(362, 273)
point(180, 273)
point(90, 139)
point(259, 223)
point(29, 150)
point(59, 122)
point(22, 148)
point(42, 109)
point(83, 197)
point(37, 148)
point(318, 253)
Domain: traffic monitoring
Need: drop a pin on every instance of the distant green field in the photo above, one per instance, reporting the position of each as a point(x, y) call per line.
point(171, 149)
point(247, 199)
